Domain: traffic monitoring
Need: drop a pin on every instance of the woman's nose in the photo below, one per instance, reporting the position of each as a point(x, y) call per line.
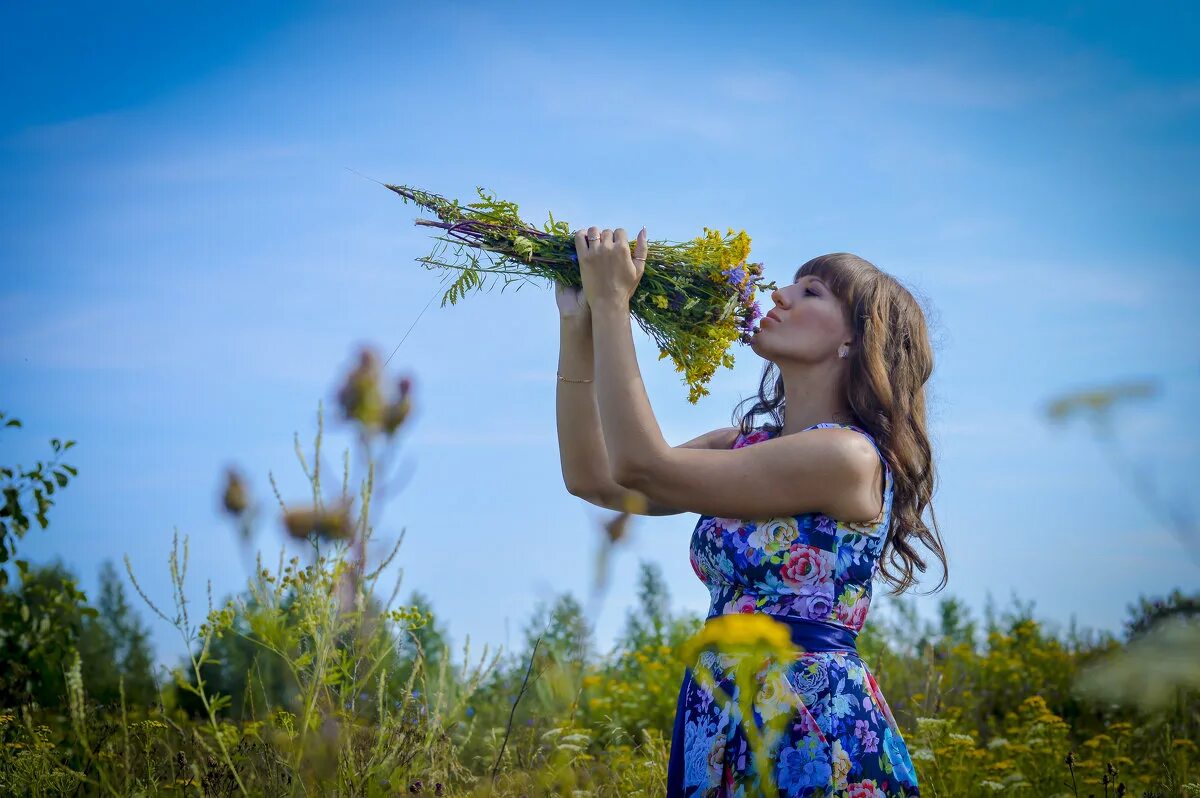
point(777, 297)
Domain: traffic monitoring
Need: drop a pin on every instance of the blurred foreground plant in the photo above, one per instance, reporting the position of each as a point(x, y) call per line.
point(758, 650)
point(344, 723)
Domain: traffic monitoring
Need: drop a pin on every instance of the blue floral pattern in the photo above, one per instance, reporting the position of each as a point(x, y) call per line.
point(842, 739)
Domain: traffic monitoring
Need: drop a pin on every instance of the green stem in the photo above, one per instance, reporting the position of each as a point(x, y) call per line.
point(212, 718)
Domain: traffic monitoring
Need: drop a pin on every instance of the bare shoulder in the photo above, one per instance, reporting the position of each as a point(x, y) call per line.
point(862, 498)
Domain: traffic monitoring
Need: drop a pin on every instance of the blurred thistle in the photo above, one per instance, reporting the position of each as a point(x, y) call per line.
point(1098, 403)
point(326, 524)
point(615, 530)
point(632, 504)
point(361, 396)
point(235, 500)
point(395, 413)
point(236, 497)
point(1096, 407)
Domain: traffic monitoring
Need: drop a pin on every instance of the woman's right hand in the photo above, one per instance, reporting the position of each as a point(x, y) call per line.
point(572, 304)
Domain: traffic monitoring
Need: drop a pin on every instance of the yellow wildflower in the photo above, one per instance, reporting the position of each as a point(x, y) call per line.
point(741, 632)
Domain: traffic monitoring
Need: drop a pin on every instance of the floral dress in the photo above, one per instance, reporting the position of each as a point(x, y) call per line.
point(840, 738)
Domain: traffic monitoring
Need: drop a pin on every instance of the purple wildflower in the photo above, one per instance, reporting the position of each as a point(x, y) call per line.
point(736, 275)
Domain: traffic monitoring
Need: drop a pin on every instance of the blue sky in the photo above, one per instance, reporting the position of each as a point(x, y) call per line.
point(190, 262)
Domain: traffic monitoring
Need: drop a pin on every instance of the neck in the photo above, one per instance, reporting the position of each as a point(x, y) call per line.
point(814, 395)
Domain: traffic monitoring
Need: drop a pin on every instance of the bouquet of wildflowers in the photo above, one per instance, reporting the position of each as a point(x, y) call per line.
point(694, 298)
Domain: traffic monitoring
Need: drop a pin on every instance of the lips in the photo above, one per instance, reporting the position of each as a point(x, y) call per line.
point(771, 315)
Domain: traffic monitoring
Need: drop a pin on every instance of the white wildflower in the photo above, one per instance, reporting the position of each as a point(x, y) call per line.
point(75, 694)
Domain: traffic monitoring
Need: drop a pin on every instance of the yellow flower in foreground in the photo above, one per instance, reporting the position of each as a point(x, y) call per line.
point(742, 632)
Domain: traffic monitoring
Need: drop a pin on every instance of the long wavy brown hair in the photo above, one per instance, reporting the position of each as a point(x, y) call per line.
point(885, 389)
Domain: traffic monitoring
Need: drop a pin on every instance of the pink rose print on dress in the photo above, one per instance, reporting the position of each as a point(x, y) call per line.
point(728, 524)
point(743, 603)
point(806, 724)
point(864, 789)
point(753, 437)
point(854, 615)
point(805, 566)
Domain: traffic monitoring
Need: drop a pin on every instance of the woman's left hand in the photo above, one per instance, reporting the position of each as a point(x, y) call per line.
point(610, 273)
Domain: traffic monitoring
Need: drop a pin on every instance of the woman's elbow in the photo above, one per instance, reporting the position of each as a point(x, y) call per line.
point(628, 476)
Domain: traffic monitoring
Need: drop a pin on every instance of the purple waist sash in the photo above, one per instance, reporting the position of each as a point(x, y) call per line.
point(816, 635)
point(808, 634)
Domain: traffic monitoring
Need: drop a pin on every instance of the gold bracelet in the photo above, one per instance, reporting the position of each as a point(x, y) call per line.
point(565, 379)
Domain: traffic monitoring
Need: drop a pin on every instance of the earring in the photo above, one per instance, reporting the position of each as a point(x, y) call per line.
point(844, 352)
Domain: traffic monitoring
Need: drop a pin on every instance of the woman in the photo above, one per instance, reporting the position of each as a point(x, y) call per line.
point(796, 515)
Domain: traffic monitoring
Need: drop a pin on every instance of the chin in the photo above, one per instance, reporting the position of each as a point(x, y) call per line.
point(757, 348)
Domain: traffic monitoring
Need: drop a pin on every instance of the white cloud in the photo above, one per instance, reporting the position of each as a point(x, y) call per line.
point(89, 129)
point(764, 84)
point(942, 81)
point(1159, 100)
point(83, 338)
point(1076, 285)
point(210, 160)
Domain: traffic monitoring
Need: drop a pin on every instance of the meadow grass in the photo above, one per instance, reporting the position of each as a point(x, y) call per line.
point(313, 681)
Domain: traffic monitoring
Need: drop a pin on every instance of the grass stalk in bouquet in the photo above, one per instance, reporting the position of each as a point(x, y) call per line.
point(695, 298)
